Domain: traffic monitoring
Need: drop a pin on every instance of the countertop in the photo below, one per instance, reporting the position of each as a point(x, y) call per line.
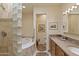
point(64, 44)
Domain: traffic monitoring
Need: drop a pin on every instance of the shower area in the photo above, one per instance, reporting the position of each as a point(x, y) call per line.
point(13, 42)
point(5, 36)
point(6, 33)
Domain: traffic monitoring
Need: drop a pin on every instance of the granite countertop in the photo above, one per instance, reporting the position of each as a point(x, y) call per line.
point(64, 44)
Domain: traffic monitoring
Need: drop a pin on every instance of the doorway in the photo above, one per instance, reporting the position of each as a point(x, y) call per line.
point(41, 32)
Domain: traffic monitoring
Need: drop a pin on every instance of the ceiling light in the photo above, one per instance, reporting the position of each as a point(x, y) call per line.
point(23, 7)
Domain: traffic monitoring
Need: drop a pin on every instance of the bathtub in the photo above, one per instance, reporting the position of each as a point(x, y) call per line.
point(28, 47)
point(27, 42)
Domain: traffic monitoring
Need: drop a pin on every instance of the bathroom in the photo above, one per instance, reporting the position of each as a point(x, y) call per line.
point(39, 29)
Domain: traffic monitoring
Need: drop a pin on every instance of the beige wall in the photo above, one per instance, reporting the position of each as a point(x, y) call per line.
point(6, 26)
point(53, 13)
point(27, 25)
point(7, 11)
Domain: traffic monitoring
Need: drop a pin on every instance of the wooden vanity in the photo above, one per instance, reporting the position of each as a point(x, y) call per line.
point(55, 50)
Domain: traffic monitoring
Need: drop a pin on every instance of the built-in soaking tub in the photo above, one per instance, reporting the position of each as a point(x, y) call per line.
point(28, 46)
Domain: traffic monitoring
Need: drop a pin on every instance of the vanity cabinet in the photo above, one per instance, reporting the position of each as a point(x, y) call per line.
point(52, 47)
point(55, 50)
point(58, 51)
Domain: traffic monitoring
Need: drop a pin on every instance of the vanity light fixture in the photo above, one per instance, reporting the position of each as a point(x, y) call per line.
point(68, 11)
point(75, 6)
point(64, 13)
point(71, 9)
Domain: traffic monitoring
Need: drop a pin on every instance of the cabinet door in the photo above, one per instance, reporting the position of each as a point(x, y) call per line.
point(58, 51)
point(53, 48)
point(50, 46)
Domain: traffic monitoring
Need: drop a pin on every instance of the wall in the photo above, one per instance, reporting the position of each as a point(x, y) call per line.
point(7, 11)
point(53, 15)
point(6, 26)
point(6, 42)
point(27, 25)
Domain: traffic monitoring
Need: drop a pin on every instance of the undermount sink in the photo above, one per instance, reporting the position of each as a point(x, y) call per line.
point(74, 50)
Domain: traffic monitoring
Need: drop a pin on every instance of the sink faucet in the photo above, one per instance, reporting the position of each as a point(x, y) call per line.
point(64, 38)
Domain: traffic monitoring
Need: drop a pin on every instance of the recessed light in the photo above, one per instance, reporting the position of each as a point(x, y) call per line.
point(23, 7)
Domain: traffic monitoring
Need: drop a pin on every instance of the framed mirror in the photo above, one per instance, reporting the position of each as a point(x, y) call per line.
point(73, 21)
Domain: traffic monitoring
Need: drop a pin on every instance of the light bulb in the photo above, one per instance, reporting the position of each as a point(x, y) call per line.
point(23, 7)
point(66, 11)
point(75, 6)
point(69, 9)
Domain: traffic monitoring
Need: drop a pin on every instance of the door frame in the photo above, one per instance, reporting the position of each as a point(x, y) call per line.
point(34, 18)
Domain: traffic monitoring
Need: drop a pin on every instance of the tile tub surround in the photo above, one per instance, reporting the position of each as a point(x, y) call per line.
point(29, 51)
point(64, 44)
point(28, 46)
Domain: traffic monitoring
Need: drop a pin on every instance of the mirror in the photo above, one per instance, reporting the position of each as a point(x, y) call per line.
point(73, 21)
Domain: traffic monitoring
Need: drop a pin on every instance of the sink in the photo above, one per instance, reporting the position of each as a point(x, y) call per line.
point(74, 50)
